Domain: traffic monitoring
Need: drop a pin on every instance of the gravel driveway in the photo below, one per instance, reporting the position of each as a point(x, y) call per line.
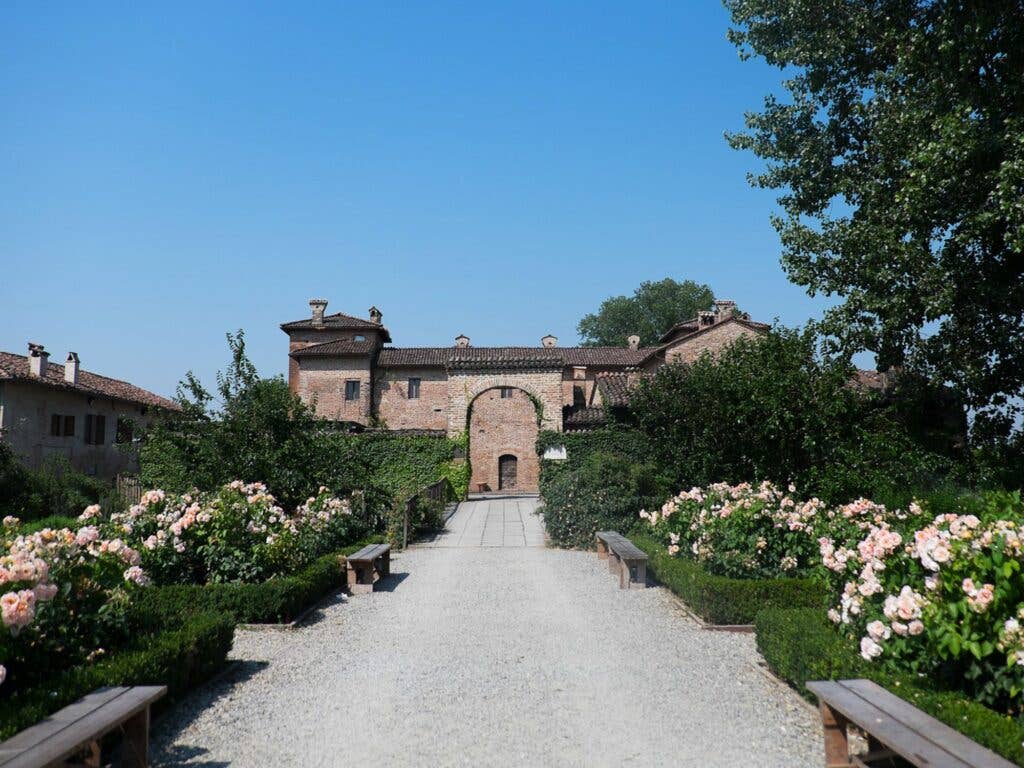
point(489, 655)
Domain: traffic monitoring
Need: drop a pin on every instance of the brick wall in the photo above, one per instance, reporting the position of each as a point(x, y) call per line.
point(464, 386)
point(428, 411)
point(712, 340)
point(324, 378)
point(503, 426)
point(306, 338)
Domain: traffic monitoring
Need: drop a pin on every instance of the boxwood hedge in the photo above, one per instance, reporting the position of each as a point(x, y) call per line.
point(799, 644)
point(724, 600)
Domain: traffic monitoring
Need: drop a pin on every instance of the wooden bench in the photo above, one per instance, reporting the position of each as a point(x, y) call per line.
point(79, 728)
point(623, 557)
point(367, 566)
point(895, 728)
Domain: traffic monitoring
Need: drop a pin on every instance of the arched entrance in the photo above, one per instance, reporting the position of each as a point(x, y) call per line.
point(502, 441)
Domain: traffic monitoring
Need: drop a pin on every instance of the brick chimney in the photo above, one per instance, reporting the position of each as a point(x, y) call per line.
point(38, 359)
point(375, 315)
point(633, 342)
point(549, 341)
point(462, 340)
point(724, 309)
point(71, 368)
point(318, 306)
point(705, 318)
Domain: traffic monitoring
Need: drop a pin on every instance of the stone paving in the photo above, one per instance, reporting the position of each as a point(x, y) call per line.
point(496, 522)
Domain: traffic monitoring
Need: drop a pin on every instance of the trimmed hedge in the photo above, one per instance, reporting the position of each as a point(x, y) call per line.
point(723, 600)
point(180, 659)
point(800, 644)
point(275, 601)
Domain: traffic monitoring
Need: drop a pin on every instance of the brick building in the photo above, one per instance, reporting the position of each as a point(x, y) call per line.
point(347, 369)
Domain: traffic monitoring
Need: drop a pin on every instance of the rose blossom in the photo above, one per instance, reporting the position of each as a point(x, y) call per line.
point(916, 627)
point(869, 649)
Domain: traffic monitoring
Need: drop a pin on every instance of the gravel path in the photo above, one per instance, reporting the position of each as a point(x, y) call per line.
point(494, 656)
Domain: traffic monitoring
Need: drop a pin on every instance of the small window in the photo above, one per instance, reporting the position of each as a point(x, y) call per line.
point(414, 389)
point(359, 337)
point(506, 393)
point(125, 431)
point(351, 390)
point(56, 422)
point(95, 429)
point(69, 426)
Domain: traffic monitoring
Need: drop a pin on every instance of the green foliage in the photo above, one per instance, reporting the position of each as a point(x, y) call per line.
point(605, 493)
point(800, 644)
point(184, 655)
point(899, 156)
point(770, 408)
point(724, 600)
point(652, 309)
point(55, 489)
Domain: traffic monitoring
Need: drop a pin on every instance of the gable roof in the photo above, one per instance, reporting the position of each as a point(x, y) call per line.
point(335, 322)
point(510, 357)
point(16, 367)
point(337, 348)
point(689, 328)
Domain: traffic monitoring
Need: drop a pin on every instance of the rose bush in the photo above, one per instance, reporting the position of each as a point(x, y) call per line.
point(238, 533)
point(63, 598)
point(742, 531)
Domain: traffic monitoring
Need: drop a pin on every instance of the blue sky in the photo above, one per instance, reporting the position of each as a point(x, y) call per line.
point(171, 173)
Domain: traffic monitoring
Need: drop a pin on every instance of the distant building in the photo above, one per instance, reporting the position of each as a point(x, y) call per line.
point(346, 368)
point(48, 409)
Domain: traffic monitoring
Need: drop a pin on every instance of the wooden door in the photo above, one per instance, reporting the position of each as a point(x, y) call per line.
point(507, 467)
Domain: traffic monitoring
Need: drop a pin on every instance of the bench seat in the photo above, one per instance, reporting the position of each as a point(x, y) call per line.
point(80, 727)
point(624, 558)
point(895, 727)
point(367, 566)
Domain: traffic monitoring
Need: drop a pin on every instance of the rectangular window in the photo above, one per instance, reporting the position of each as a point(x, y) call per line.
point(95, 429)
point(506, 393)
point(414, 389)
point(55, 425)
point(124, 432)
point(69, 426)
point(351, 390)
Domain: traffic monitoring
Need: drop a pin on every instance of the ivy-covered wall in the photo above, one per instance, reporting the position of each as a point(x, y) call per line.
point(579, 446)
point(403, 464)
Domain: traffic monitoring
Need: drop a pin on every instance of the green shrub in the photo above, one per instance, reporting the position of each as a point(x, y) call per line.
point(54, 489)
point(606, 492)
point(181, 657)
point(277, 600)
point(724, 600)
point(55, 522)
point(800, 644)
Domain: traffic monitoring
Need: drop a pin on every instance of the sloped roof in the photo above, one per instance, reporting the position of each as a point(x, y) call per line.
point(692, 327)
point(16, 367)
point(614, 389)
point(336, 320)
point(584, 418)
point(338, 348)
point(510, 357)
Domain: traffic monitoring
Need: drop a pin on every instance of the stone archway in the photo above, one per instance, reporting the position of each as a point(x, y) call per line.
point(503, 427)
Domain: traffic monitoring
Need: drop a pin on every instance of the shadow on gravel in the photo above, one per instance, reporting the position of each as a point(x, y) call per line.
point(318, 613)
point(388, 583)
point(181, 714)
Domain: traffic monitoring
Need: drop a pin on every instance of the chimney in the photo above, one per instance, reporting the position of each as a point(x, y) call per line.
point(633, 342)
point(318, 306)
point(705, 318)
point(462, 340)
point(71, 368)
point(38, 358)
point(549, 341)
point(375, 315)
point(724, 309)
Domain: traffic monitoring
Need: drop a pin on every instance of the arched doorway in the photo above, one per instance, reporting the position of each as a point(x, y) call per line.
point(508, 466)
point(503, 427)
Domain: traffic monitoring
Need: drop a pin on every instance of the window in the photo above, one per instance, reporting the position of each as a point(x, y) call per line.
point(62, 426)
point(506, 393)
point(125, 431)
point(579, 398)
point(414, 389)
point(359, 337)
point(95, 429)
point(351, 390)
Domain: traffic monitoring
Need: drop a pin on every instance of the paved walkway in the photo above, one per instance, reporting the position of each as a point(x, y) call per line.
point(503, 656)
point(502, 522)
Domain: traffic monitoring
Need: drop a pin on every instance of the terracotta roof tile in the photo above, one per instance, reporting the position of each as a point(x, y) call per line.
point(338, 348)
point(337, 320)
point(614, 389)
point(16, 367)
point(584, 418)
point(510, 357)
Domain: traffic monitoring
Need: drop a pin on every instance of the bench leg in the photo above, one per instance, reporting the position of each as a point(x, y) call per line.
point(385, 564)
point(641, 576)
point(94, 755)
point(623, 574)
point(837, 746)
point(135, 745)
point(360, 579)
point(613, 562)
point(602, 549)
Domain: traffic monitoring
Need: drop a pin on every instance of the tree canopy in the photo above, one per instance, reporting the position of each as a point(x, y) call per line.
point(652, 309)
point(899, 154)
